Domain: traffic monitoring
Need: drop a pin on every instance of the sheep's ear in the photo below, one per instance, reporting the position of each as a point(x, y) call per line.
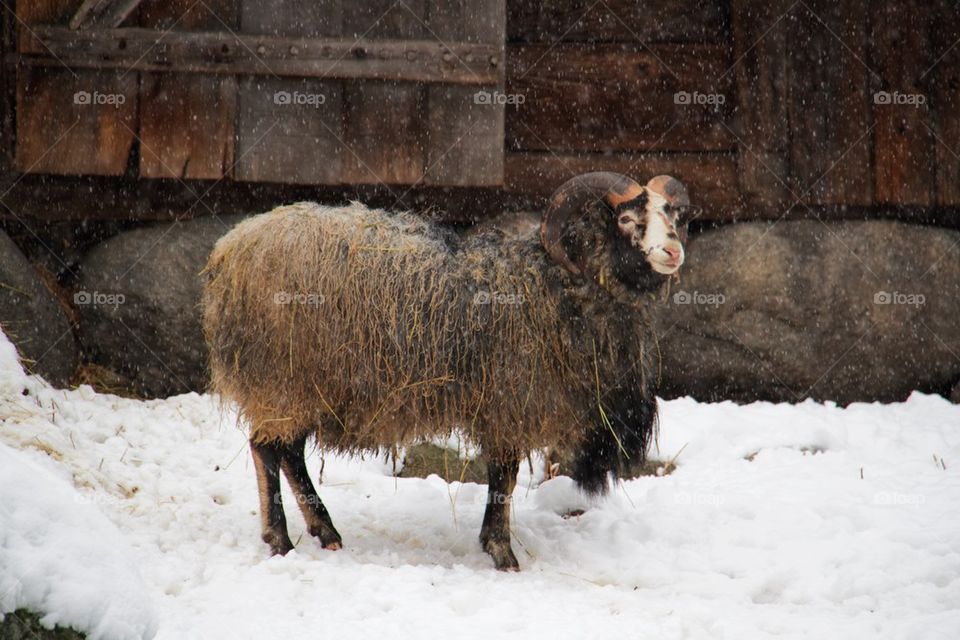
point(674, 191)
point(572, 201)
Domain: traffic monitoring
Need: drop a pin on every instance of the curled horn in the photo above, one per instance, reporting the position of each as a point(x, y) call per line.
point(671, 189)
point(569, 201)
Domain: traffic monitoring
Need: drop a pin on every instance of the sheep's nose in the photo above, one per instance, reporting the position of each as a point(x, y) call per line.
point(673, 252)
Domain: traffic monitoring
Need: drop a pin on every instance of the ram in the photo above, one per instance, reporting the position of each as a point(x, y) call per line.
point(366, 330)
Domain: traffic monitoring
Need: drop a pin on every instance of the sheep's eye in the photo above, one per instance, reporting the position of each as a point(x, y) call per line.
point(625, 220)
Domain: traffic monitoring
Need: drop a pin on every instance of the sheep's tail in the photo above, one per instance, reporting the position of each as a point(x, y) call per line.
point(619, 443)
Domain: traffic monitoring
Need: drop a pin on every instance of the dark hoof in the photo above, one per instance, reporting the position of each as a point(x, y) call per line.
point(502, 554)
point(280, 544)
point(328, 536)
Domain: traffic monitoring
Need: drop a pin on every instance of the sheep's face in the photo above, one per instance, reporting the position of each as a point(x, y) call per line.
point(604, 223)
point(648, 236)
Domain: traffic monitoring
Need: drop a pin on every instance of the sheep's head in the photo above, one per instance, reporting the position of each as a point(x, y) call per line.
point(605, 224)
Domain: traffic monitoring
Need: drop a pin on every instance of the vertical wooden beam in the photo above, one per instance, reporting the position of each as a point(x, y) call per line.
point(290, 130)
point(71, 121)
point(103, 14)
point(187, 119)
point(760, 53)
point(830, 97)
point(187, 125)
point(8, 94)
point(466, 137)
point(383, 121)
point(944, 80)
point(80, 122)
point(45, 11)
point(905, 170)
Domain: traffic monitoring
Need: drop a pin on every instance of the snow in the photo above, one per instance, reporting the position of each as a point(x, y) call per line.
point(59, 555)
point(789, 521)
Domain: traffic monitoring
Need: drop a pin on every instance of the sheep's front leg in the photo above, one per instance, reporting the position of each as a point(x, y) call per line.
point(314, 512)
point(495, 531)
point(266, 461)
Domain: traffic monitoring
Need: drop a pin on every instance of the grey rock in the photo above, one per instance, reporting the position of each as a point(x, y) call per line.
point(139, 303)
point(34, 319)
point(844, 311)
point(424, 459)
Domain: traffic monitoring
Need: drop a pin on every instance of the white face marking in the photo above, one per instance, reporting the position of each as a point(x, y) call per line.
point(665, 254)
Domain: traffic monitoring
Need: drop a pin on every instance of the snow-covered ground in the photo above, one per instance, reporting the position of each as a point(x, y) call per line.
point(780, 521)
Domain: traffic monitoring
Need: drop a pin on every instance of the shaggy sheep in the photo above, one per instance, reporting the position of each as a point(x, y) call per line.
point(368, 329)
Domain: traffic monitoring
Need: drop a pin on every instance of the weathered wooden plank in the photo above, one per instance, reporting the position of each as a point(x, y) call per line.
point(185, 15)
point(62, 198)
point(102, 13)
point(61, 128)
point(187, 120)
point(226, 52)
point(291, 17)
point(383, 123)
point(829, 102)
point(549, 21)
point(67, 198)
point(709, 177)
point(186, 125)
point(759, 67)
point(32, 12)
point(75, 122)
point(611, 97)
point(465, 134)
point(905, 170)
point(943, 77)
point(290, 130)
point(8, 93)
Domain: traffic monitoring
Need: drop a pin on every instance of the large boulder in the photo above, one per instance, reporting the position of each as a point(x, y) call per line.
point(139, 297)
point(33, 318)
point(844, 311)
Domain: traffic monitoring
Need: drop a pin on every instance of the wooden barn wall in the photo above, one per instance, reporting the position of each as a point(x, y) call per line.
point(7, 88)
point(600, 85)
point(799, 131)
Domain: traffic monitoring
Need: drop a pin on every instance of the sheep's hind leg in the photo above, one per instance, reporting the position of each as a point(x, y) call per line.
point(314, 512)
point(266, 460)
point(495, 531)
